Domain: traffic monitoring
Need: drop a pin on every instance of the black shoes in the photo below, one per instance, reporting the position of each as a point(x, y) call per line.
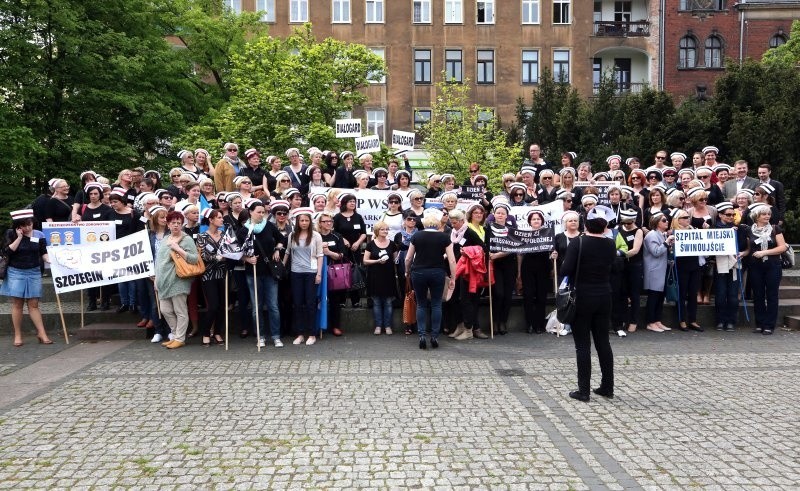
point(720, 327)
point(423, 344)
point(122, 308)
point(608, 394)
point(729, 328)
point(696, 327)
point(434, 343)
point(105, 306)
point(766, 332)
point(580, 396)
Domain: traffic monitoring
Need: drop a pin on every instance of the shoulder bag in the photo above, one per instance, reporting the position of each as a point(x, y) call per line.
point(185, 270)
point(409, 305)
point(566, 308)
point(276, 269)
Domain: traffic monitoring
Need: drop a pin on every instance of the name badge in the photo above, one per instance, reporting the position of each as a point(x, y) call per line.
point(35, 239)
point(117, 222)
point(96, 215)
point(331, 243)
point(194, 236)
point(143, 219)
point(462, 241)
point(357, 226)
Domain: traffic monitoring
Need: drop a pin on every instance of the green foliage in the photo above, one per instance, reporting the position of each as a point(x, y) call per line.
point(456, 136)
point(288, 92)
point(787, 55)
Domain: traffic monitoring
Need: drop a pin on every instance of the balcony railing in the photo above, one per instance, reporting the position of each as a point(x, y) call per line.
point(622, 88)
point(610, 28)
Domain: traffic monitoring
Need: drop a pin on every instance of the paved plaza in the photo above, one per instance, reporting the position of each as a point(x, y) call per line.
point(711, 410)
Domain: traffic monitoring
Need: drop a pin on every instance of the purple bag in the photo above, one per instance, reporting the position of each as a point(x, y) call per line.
point(339, 278)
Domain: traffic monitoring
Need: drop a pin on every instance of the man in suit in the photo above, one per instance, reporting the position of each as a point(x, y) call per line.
point(740, 181)
point(764, 173)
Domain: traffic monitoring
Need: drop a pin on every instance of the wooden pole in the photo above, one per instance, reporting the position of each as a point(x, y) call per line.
point(81, 308)
point(63, 322)
point(491, 313)
point(254, 301)
point(226, 310)
point(555, 288)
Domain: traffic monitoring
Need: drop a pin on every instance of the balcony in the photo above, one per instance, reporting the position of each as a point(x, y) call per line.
point(623, 88)
point(610, 28)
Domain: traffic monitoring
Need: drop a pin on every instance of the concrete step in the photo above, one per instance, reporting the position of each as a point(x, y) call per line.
point(786, 292)
point(792, 322)
point(103, 331)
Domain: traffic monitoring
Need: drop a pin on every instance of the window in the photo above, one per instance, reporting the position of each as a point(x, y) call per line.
point(453, 65)
point(485, 12)
point(422, 11)
point(485, 116)
point(341, 11)
point(485, 66)
point(777, 40)
point(530, 11)
point(597, 74)
point(234, 6)
point(687, 55)
point(375, 122)
point(346, 114)
point(453, 11)
point(422, 66)
point(561, 11)
point(267, 9)
point(713, 52)
point(453, 116)
point(298, 10)
point(372, 76)
point(561, 65)
point(530, 66)
point(421, 117)
point(374, 10)
point(702, 5)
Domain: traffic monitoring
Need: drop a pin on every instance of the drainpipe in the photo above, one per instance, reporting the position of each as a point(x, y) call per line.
point(662, 16)
point(741, 32)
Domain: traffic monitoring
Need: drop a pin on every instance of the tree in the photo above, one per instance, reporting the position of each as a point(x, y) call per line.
point(459, 134)
point(288, 93)
point(787, 54)
point(88, 85)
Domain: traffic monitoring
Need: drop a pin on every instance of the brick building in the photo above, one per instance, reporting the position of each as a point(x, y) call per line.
point(702, 36)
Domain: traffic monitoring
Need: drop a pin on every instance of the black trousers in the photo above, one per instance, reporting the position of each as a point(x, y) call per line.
point(214, 291)
point(688, 286)
point(592, 322)
point(505, 278)
point(470, 302)
point(452, 314)
point(535, 286)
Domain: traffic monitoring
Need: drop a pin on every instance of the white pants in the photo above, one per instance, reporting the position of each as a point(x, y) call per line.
point(176, 313)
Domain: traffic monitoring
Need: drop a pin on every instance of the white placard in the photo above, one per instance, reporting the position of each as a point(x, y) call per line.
point(367, 144)
point(552, 215)
point(403, 140)
point(77, 267)
point(705, 242)
point(69, 234)
point(348, 128)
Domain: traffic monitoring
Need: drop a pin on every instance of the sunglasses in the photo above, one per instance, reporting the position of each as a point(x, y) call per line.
point(247, 182)
point(704, 177)
point(663, 220)
point(518, 195)
point(731, 215)
point(326, 221)
point(757, 194)
point(284, 180)
point(660, 157)
point(568, 201)
point(437, 182)
point(634, 178)
point(547, 178)
point(475, 171)
point(281, 213)
point(417, 199)
point(232, 150)
point(683, 218)
point(394, 202)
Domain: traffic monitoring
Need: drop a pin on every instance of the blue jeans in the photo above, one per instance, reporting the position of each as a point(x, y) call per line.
point(267, 300)
point(147, 299)
point(424, 281)
point(304, 303)
point(726, 297)
point(127, 293)
point(765, 278)
point(382, 311)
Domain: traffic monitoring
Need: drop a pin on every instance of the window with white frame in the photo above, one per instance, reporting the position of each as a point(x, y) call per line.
point(374, 10)
point(484, 13)
point(298, 10)
point(341, 11)
point(453, 11)
point(370, 76)
point(376, 122)
point(234, 6)
point(422, 66)
point(530, 11)
point(485, 66)
point(713, 52)
point(561, 11)
point(530, 66)
point(421, 117)
point(687, 52)
point(422, 12)
point(267, 9)
point(453, 65)
point(561, 65)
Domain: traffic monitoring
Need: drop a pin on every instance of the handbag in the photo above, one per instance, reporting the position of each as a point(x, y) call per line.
point(409, 305)
point(787, 258)
point(185, 270)
point(566, 307)
point(3, 266)
point(671, 286)
point(339, 276)
point(276, 269)
point(357, 277)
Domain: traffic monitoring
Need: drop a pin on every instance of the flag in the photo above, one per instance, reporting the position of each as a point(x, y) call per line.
point(322, 297)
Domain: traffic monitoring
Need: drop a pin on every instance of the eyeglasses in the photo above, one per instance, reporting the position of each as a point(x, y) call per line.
point(683, 218)
point(281, 213)
point(730, 215)
point(418, 198)
point(473, 171)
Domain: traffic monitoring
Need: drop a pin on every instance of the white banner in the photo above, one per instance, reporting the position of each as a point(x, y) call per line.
point(68, 233)
point(77, 267)
point(367, 144)
point(552, 215)
point(705, 242)
point(348, 128)
point(403, 140)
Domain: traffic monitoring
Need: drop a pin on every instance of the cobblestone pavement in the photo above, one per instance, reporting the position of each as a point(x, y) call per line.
point(714, 410)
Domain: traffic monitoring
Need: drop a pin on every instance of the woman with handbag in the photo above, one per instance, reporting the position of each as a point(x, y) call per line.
point(588, 266)
point(262, 241)
point(656, 257)
point(402, 240)
point(23, 280)
point(379, 259)
point(172, 290)
point(333, 247)
point(213, 279)
point(305, 250)
point(426, 251)
point(350, 225)
point(279, 216)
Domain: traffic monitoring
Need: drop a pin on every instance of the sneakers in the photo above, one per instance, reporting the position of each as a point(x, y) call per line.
point(156, 339)
point(377, 331)
point(311, 340)
point(729, 328)
point(388, 331)
point(278, 343)
point(298, 340)
point(720, 326)
point(621, 333)
point(262, 342)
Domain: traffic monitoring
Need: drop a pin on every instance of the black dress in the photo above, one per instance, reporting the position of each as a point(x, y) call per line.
point(381, 277)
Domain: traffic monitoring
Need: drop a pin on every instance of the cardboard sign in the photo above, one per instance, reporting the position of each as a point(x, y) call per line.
point(602, 189)
point(348, 128)
point(516, 241)
point(403, 140)
point(705, 242)
point(472, 192)
point(68, 233)
point(367, 144)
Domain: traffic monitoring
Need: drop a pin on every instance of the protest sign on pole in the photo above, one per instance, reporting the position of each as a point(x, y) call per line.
point(705, 242)
point(516, 241)
point(602, 189)
point(68, 233)
point(348, 128)
point(472, 192)
point(367, 144)
point(77, 267)
point(403, 140)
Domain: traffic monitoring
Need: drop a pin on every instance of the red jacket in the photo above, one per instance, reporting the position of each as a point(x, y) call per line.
point(472, 265)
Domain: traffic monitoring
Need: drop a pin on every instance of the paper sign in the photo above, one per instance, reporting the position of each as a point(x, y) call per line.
point(403, 140)
point(705, 242)
point(348, 128)
point(367, 144)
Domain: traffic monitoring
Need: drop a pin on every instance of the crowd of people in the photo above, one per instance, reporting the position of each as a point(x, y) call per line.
point(286, 217)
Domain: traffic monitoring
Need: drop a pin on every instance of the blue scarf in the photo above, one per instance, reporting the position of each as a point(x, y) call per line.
point(255, 228)
point(407, 236)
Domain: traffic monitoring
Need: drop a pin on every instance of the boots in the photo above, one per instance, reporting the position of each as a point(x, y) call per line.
point(458, 332)
point(465, 334)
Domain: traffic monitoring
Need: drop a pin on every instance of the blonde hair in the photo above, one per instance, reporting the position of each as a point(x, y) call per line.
point(456, 215)
point(379, 226)
point(678, 215)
